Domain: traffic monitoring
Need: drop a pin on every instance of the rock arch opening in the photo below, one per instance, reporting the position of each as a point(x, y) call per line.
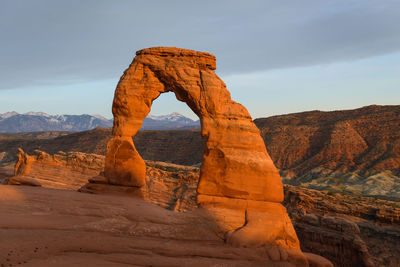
point(235, 162)
point(239, 189)
point(173, 137)
point(167, 104)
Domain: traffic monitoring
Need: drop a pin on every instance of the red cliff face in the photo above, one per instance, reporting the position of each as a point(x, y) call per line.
point(348, 230)
point(346, 146)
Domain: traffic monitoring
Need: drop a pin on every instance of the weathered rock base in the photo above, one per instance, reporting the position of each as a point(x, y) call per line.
point(249, 223)
point(61, 170)
point(237, 223)
point(75, 229)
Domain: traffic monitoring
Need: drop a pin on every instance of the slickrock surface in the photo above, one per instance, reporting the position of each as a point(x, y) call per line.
point(237, 175)
point(113, 227)
point(350, 231)
point(49, 227)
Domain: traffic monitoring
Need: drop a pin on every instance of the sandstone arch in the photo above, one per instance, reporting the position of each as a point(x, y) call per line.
point(235, 161)
point(240, 189)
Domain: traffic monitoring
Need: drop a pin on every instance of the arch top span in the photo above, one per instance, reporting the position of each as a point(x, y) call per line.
point(237, 175)
point(235, 161)
point(202, 59)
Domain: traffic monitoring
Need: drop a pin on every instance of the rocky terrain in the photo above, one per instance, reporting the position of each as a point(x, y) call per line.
point(235, 201)
point(311, 149)
point(49, 223)
point(355, 151)
point(347, 230)
point(169, 185)
point(50, 227)
point(176, 146)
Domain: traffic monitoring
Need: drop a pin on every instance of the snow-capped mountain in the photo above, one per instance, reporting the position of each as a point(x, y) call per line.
point(171, 121)
point(7, 115)
point(175, 116)
point(40, 121)
point(36, 114)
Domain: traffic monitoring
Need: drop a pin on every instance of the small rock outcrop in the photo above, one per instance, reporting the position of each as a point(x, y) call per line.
point(62, 170)
point(239, 186)
point(168, 185)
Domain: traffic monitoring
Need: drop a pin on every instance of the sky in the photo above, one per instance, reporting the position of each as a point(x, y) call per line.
point(276, 57)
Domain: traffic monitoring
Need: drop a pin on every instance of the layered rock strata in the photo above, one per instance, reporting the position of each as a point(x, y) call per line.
point(348, 230)
point(354, 151)
point(62, 170)
point(167, 185)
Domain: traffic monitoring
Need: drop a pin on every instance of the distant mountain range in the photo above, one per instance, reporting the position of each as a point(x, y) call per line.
point(172, 121)
point(13, 122)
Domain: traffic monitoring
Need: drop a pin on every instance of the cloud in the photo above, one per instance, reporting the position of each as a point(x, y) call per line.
point(46, 41)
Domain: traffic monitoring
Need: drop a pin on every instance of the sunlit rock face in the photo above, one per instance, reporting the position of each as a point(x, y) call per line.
point(239, 187)
point(235, 161)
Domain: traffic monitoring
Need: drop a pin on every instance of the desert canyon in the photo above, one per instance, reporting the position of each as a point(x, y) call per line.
point(90, 199)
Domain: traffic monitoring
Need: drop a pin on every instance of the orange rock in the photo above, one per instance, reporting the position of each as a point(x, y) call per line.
point(23, 163)
point(22, 180)
point(235, 161)
point(249, 223)
point(239, 185)
point(62, 170)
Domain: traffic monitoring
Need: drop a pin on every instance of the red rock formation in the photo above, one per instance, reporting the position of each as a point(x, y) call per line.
point(174, 189)
point(348, 230)
point(23, 164)
point(62, 170)
point(238, 179)
point(320, 144)
point(41, 227)
point(167, 185)
point(234, 148)
point(350, 151)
